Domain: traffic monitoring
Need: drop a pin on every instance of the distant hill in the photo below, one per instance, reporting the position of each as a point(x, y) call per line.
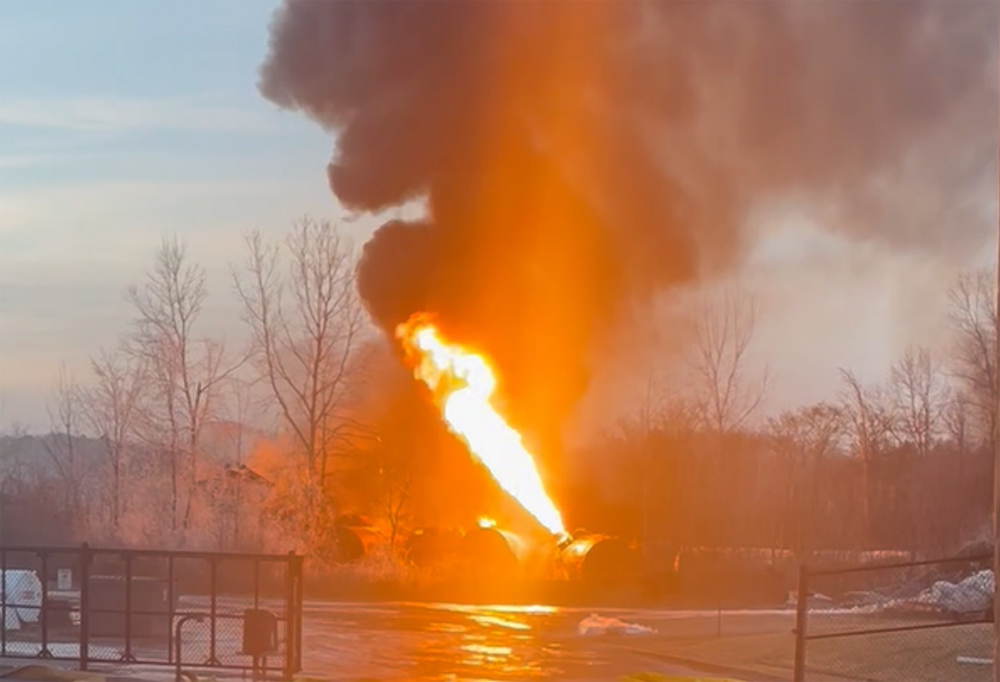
point(35, 478)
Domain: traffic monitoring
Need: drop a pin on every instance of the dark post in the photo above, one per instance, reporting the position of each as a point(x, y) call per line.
point(801, 614)
point(3, 606)
point(996, 485)
point(299, 560)
point(84, 605)
point(44, 616)
point(170, 607)
point(256, 583)
point(293, 571)
point(128, 608)
point(213, 571)
point(289, 616)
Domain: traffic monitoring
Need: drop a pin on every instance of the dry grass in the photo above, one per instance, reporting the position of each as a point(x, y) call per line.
point(379, 575)
point(763, 645)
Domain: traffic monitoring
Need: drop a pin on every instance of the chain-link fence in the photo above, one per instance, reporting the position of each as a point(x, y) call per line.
point(122, 608)
point(896, 622)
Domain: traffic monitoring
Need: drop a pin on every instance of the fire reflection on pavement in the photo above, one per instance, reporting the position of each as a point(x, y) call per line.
point(457, 642)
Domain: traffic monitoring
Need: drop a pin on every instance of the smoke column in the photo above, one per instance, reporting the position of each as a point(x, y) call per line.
point(576, 155)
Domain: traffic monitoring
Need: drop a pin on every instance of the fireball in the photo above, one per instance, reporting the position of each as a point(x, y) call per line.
point(462, 384)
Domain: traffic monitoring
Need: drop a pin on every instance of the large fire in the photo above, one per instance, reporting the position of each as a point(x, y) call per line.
point(462, 384)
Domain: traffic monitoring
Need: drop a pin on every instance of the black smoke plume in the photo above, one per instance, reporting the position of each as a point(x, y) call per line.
point(578, 154)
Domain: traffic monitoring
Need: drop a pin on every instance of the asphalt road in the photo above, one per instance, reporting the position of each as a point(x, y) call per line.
point(390, 642)
point(452, 643)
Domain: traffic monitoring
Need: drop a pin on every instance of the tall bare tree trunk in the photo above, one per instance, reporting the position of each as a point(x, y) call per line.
point(306, 325)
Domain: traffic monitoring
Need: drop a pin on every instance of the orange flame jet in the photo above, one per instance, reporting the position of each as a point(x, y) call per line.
point(463, 383)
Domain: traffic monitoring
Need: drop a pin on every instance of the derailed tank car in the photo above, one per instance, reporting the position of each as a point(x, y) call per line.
point(430, 547)
point(355, 541)
point(493, 552)
point(600, 559)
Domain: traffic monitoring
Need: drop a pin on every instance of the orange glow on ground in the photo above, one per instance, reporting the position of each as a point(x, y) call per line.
point(462, 384)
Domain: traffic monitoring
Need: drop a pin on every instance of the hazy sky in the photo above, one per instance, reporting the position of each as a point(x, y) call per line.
point(121, 121)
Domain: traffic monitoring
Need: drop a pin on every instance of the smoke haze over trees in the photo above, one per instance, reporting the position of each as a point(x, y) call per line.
point(575, 160)
point(578, 156)
point(902, 464)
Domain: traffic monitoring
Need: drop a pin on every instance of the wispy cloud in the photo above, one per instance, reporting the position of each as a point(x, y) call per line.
point(44, 220)
point(114, 114)
point(19, 161)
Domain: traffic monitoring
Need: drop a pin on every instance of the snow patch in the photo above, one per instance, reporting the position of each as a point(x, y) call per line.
point(597, 625)
point(972, 594)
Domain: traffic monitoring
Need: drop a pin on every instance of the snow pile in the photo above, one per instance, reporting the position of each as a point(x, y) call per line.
point(974, 593)
point(596, 625)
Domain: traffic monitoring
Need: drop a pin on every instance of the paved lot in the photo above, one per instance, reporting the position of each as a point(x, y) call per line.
point(391, 642)
point(457, 643)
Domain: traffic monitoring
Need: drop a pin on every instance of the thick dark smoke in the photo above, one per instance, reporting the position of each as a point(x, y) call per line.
point(575, 155)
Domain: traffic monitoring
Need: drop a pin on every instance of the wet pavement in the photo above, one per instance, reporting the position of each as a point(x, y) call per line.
point(391, 642)
point(458, 643)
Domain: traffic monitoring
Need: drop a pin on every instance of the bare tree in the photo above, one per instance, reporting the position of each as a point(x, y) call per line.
point(13, 471)
point(659, 414)
point(727, 397)
point(872, 428)
point(870, 412)
point(243, 406)
point(395, 486)
point(804, 438)
point(956, 421)
point(66, 421)
point(185, 370)
point(110, 409)
point(306, 323)
point(920, 397)
point(974, 317)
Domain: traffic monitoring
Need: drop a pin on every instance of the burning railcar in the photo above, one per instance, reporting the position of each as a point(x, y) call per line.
point(599, 558)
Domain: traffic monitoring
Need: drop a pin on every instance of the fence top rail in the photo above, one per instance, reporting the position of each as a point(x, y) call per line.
point(161, 553)
point(901, 628)
point(897, 565)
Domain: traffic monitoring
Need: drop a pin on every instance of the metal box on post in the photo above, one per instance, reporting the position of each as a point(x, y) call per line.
point(260, 633)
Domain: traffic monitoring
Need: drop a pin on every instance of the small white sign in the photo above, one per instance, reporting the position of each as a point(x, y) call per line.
point(64, 579)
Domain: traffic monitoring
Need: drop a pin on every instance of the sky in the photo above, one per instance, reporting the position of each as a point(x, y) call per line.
point(122, 121)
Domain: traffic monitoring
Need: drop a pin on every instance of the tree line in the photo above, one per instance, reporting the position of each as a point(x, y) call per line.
point(154, 445)
point(904, 464)
point(177, 439)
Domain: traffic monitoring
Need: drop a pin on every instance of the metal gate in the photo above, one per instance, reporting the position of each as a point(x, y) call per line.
point(126, 608)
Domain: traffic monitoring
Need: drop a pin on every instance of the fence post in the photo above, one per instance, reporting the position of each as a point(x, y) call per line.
point(3, 606)
point(84, 605)
point(213, 568)
point(289, 617)
point(43, 556)
point(801, 614)
point(293, 613)
point(299, 560)
point(127, 656)
point(171, 598)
